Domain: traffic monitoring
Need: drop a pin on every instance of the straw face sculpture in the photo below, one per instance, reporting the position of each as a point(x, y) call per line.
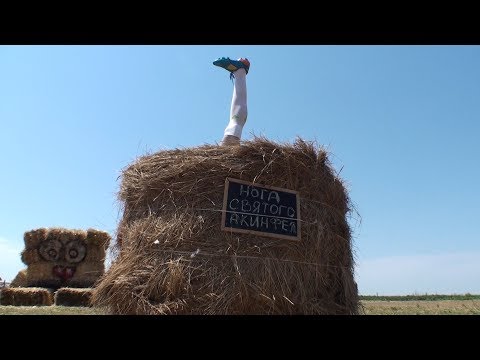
point(176, 257)
point(58, 257)
point(58, 261)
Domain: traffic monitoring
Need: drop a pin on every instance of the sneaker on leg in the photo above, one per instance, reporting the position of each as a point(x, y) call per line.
point(233, 65)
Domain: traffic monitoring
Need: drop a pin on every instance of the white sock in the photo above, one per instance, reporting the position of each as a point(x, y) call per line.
point(238, 110)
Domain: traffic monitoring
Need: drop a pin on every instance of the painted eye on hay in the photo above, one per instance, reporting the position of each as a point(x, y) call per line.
point(50, 250)
point(75, 251)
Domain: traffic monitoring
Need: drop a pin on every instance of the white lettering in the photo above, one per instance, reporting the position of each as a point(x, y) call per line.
point(272, 221)
point(231, 204)
point(243, 221)
point(272, 211)
point(263, 190)
point(291, 212)
point(275, 195)
point(246, 206)
point(254, 192)
point(276, 222)
point(280, 212)
point(284, 225)
point(279, 221)
point(254, 221)
point(244, 191)
point(264, 222)
point(265, 207)
point(293, 228)
point(256, 207)
point(234, 219)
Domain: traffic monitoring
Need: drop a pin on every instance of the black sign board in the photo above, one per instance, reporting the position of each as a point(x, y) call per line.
point(260, 209)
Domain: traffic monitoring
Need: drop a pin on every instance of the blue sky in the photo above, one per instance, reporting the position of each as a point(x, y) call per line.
point(402, 122)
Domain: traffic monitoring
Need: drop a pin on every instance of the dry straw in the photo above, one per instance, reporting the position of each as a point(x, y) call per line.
point(92, 244)
point(73, 297)
point(29, 296)
point(20, 280)
point(173, 257)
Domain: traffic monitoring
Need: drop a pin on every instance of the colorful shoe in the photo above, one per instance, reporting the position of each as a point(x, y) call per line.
point(233, 65)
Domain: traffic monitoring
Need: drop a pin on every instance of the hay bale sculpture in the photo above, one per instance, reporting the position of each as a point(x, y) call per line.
point(58, 258)
point(258, 228)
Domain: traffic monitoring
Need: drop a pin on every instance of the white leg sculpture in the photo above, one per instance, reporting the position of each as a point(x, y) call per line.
point(238, 109)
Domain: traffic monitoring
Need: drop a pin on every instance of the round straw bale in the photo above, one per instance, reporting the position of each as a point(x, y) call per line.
point(175, 258)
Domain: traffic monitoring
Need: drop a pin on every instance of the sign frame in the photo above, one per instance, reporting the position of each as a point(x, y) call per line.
point(255, 232)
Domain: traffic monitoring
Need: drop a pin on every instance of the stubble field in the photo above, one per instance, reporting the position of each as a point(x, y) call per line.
point(368, 307)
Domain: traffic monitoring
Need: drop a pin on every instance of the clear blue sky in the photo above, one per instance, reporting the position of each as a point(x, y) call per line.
point(402, 121)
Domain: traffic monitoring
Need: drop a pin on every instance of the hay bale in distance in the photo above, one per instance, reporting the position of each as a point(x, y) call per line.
point(26, 296)
point(175, 259)
point(73, 297)
point(59, 257)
